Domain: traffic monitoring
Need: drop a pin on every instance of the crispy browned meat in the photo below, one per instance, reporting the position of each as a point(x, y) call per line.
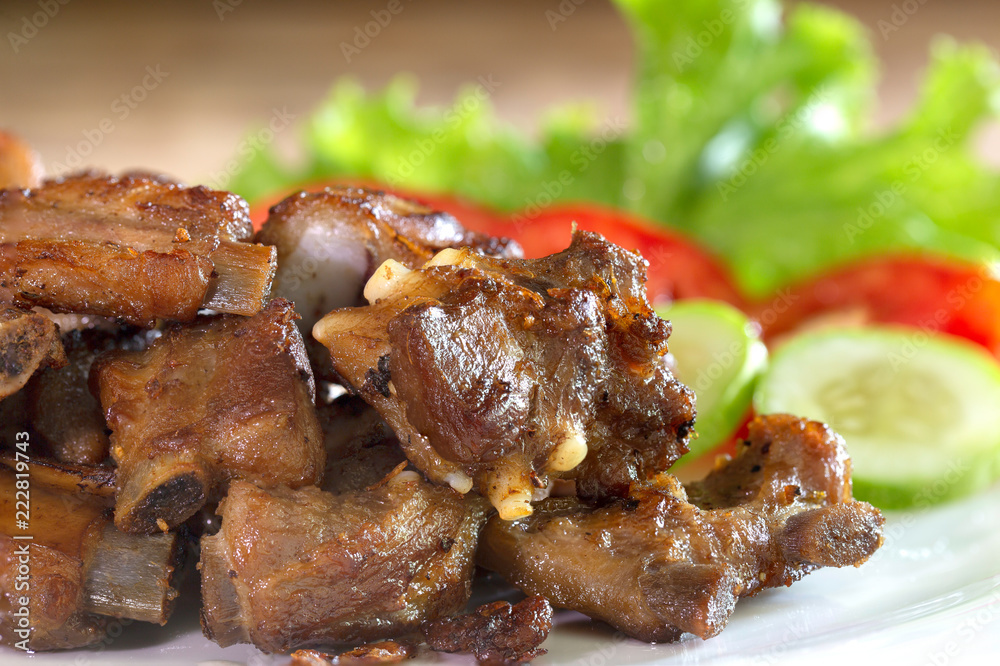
point(361, 448)
point(60, 405)
point(28, 342)
point(495, 632)
point(226, 397)
point(810, 459)
point(663, 562)
point(81, 568)
point(373, 654)
point(305, 568)
point(329, 243)
point(501, 373)
point(134, 248)
point(20, 166)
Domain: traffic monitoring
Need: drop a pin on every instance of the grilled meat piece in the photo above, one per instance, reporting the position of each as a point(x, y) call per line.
point(226, 397)
point(20, 165)
point(373, 654)
point(134, 248)
point(82, 569)
point(28, 342)
point(663, 561)
point(495, 632)
point(361, 448)
point(61, 407)
point(304, 568)
point(329, 243)
point(499, 373)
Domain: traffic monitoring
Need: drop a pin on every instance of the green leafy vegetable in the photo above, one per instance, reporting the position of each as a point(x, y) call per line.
point(748, 132)
point(462, 149)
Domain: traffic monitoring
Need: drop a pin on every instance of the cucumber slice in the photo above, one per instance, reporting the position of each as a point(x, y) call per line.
point(920, 412)
point(719, 355)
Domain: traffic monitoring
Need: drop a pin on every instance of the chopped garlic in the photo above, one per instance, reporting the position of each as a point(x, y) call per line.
point(383, 281)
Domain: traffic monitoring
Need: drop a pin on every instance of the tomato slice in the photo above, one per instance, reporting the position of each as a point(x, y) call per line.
point(929, 293)
point(678, 267)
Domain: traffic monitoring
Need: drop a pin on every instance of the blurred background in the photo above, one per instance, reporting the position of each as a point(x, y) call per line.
point(177, 85)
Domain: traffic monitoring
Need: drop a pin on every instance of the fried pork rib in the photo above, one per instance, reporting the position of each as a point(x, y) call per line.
point(134, 248)
point(500, 373)
point(20, 166)
point(329, 243)
point(496, 632)
point(226, 397)
point(82, 570)
point(59, 402)
point(303, 568)
point(665, 561)
point(28, 342)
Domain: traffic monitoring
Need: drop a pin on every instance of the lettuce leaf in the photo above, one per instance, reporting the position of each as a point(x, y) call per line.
point(919, 187)
point(748, 131)
point(462, 149)
point(718, 79)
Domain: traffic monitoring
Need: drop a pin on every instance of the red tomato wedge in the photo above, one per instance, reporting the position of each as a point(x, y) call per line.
point(933, 294)
point(678, 267)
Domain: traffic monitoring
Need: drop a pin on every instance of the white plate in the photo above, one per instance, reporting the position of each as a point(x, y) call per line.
point(930, 596)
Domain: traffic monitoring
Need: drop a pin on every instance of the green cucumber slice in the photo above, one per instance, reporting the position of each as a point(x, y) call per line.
point(719, 355)
point(920, 412)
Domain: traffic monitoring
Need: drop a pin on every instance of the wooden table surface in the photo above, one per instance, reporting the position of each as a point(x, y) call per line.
point(175, 86)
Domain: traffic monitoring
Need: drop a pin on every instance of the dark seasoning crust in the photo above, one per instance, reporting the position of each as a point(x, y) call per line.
point(474, 378)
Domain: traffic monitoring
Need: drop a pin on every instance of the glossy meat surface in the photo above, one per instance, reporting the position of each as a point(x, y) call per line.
point(667, 561)
point(501, 373)
point(497, 632)
point(329, 243)
point(305, 568)
point(134, 248)
point(225, 397)
point(29, 342)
